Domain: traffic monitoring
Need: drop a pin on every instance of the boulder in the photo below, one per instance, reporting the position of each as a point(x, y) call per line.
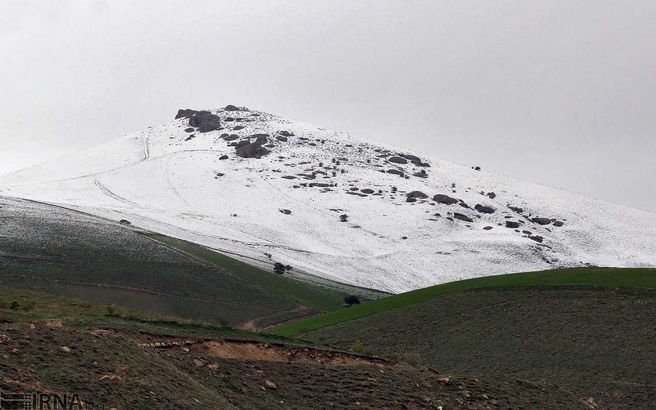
point(231, 107)
point(285, 211)
point(558, 223)
point(416, 195)
point(205, 121)
point(252, 151)
point(231, 137)
point(186, 113)
point(444, 199)
point(398, 160)
point(541, 221)
point(247, 149)
point(516, 209)
point(512, 224)
point(395, 172)
point(462, 217)
point(281, 138)
point(286, 133)
point(222, 157)
point(411, 158)
point(484, 209)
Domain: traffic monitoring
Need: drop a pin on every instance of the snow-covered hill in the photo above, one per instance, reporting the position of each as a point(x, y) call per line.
point(267, 189)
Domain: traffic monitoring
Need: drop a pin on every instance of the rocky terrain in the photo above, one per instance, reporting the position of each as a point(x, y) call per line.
point(267, 190)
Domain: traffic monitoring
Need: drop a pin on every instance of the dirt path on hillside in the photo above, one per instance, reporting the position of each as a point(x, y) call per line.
point(253, 350)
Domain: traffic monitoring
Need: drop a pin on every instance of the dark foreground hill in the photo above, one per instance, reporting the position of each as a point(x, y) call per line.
point(126, 360)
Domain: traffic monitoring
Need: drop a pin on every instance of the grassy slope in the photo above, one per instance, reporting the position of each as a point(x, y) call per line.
point(618, 277)
point(110, 369)
point(591, 340)
point(68, 253)
point(301, 292)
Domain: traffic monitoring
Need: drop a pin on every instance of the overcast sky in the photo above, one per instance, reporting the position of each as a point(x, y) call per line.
point(561, 93)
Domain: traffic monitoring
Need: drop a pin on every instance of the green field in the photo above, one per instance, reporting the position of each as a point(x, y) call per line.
point(593, 341)
point(617, 277)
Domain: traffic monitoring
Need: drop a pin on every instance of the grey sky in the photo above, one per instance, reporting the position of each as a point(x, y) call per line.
point(561, 93)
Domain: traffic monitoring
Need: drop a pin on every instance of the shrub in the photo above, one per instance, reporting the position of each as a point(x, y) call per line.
point(357, 346)
point(343, 218)
point(352, 300)
point(279, 268)
point(14, 305)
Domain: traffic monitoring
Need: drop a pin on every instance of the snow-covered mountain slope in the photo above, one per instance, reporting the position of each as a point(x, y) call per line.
point(334, 206)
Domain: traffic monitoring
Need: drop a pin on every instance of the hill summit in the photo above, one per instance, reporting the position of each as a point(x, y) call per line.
point(333, 207)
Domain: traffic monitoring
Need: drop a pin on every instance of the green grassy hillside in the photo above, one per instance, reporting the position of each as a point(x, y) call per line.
point(618, 277)
point(68, 253)
point(593, 341)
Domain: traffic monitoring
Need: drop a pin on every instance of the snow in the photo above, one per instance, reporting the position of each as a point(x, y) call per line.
point(161, 182)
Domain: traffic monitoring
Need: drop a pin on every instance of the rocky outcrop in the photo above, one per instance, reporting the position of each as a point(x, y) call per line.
point(445, 199)
point(255, 149)
point(541, 221)
point(484, 209)
point(416, 195)
point(185, 113)
point(512, 224)
point(398, 160)
point(462, 217)
point(205, 121)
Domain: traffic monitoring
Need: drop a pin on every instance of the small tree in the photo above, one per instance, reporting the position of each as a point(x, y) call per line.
point(352, 300)
point(343, 218)
point(279, 268)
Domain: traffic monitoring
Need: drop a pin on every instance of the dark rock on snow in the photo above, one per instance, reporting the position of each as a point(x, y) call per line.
point(484, 209)
point(253, 149)
point(186, 113)
point(541, 221)
point(462, 217)
point(398, 160)
point(444, 199)
point(205, 121)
